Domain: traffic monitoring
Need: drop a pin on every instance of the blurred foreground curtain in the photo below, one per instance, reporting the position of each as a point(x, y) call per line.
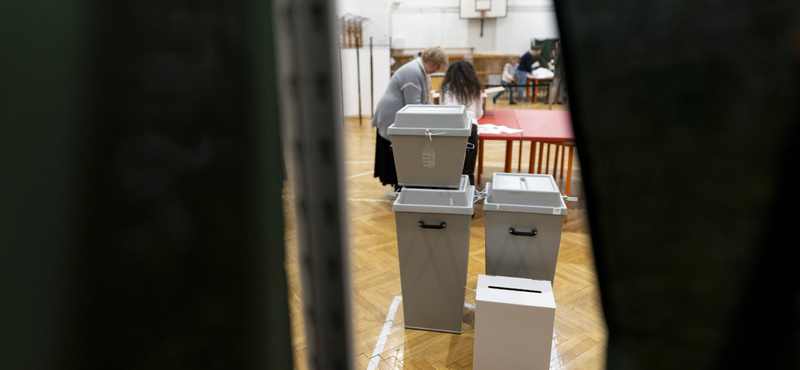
point(688, 150)
point(141, 219)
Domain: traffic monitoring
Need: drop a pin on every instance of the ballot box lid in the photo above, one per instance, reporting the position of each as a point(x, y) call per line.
point(516, 291)
point(425, 119)
point(430, 200)
point(525, 189)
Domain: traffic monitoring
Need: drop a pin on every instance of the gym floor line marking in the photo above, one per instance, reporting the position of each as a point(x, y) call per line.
point(375, 359)
point(359, 175)
point(387, 326)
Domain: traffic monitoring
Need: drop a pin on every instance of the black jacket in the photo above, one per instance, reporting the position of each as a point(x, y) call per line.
point(526, 62)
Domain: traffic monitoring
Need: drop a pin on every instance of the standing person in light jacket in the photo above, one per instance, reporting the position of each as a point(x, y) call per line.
point(559, 82)
point(461, 86)
point(527, 63)
point(409, 85)
point(507, 80)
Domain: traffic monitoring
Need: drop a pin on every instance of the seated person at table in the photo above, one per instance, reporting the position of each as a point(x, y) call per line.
point(461, 86)
point(507, 80)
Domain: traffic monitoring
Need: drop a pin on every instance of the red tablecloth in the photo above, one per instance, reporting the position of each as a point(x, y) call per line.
point(548, 127)
point(500, 117)
point(545, 125)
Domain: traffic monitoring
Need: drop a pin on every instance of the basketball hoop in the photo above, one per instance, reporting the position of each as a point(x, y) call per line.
point(483, 16)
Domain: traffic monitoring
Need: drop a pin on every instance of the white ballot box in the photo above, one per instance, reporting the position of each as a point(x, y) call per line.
point(429, 143)
point(433, 248)
point(513, 323)
point(524, 217)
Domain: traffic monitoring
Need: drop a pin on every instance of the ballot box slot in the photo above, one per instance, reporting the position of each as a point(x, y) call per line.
point(514, 289)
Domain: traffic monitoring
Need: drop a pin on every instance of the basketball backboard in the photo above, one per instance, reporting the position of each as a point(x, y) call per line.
point(477, 9)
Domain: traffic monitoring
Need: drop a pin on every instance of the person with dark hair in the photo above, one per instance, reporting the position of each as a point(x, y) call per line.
point(527, 63)
point(461, 86)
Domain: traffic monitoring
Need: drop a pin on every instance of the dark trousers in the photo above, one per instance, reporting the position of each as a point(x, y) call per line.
point(472, 155)
point(384, 161)
point(510, 91)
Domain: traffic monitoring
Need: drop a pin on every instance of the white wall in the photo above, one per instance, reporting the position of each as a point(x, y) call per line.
point(349, 79)
point(436, 22)
point(423, 23)
point(378, 13)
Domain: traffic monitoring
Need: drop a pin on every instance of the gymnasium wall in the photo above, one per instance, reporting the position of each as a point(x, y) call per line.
point(422, 23)
point(350, 71)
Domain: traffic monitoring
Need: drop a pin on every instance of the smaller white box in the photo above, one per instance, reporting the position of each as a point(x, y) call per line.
point(513, 323)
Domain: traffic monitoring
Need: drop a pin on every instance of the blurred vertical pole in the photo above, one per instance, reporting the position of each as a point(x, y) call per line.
point(341, 87)
point(266, 194)
point(306, 30)
point(371, 82)
point(358, 75)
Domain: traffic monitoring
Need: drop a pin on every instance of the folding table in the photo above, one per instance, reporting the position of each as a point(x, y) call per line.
point(548, 127)
point(534, 85)
point(499, 117)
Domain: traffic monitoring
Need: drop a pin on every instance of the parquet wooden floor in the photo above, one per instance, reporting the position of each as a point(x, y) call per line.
point(579, 338)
